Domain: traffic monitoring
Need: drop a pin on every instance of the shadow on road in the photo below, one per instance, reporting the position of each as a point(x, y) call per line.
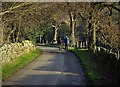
point(53, 67)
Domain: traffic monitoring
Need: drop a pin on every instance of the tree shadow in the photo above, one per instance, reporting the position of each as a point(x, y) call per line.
point(48, 45)
point(49, 79)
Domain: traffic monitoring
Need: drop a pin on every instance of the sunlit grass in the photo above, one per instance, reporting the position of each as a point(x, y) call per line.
point(83, 49)
point(13, 66)
point(0, 71)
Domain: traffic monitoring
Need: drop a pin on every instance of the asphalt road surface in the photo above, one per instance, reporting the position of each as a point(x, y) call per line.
point(52, 67)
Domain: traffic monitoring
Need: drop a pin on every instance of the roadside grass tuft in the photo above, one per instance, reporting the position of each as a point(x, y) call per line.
point(10, 68)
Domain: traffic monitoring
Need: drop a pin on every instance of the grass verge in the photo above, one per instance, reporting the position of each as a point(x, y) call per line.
point(89, 66)
point(15, 65)
point(109, 66)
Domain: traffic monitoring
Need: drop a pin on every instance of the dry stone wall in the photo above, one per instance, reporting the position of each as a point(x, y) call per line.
point(9, 52)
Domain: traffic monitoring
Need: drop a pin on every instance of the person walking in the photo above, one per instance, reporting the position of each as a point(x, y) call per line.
point(59, 42)
point(66, 42)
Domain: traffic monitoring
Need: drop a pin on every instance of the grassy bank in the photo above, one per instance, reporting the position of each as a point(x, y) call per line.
point(13, 66)
point(89, 66)
point(109, 66)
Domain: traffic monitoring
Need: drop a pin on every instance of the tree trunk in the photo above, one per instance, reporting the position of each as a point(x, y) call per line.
point(72, 26)
point(89, 31)
point(86, 44)
point(17, 38)
point(13, 37)
point(94, 37)
point(73, 33)
point(118, 54)
point(8, 37)
point(40, 38)
point(55, 35)
point(1, 30)
point(1, 35)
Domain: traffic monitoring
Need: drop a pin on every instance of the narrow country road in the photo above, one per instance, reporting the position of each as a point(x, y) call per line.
point(52, 67)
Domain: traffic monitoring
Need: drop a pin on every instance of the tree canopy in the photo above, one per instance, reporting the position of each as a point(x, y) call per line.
point(98, 21)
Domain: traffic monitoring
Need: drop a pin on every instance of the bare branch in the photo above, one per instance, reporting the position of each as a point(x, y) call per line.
point(12, 8)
